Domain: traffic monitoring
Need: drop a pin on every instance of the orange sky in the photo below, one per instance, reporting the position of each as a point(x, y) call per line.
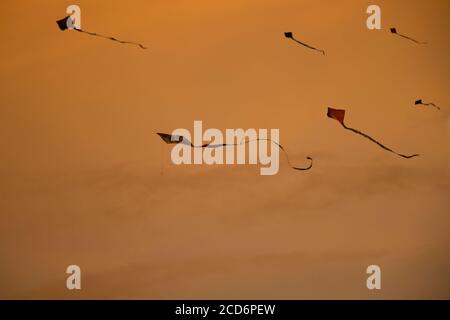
point(85, 180)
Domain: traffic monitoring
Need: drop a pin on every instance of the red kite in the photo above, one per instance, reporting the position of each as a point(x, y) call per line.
point(62, 24)
point(339, 115)
point(172, 139)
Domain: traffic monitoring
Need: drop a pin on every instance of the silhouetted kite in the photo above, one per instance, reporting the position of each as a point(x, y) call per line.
point(420, 102)
point(289, 35)
point(394, 31)
point(172, 139)
point(339, 115)
point(62, 24)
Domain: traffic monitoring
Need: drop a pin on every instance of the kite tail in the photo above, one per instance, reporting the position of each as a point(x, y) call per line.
point(433, 105)
point(308, 46)
point(111, 38)
point(285, 153)
point(208, 145)
point(287, 157)
point(378, 143)
point(204, 145)
point(406, 37)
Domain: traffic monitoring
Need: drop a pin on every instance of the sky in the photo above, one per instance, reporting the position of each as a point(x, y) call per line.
point(85, 180)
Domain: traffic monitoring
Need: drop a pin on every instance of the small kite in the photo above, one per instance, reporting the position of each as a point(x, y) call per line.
point(339, 115)
point(172, 139)
point(420, 102)
point(394, 31)
point(63, 25)
point(289, 35)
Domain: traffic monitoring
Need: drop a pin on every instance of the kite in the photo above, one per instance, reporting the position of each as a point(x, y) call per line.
point(420, 102)
point(289, 35)
point(339, 115)
point(394, 31)
point(63, 25)
point(173, 139)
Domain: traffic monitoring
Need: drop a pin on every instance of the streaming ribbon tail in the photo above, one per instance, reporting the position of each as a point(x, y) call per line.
point(289, 161)
point(208, 145)
point(378, 143)
point(414, 40)
point(111, 38)
point(302, 169)
point(168, 139)
point(433, 105)
point(285, 153)
point(308, 46)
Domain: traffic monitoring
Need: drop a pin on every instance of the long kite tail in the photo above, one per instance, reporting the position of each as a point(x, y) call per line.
point(111, 38)
point(208, 145)
point(378, 143)
point(406, 37)
point(432, 104)
point(287, 156)
point(420, 102)
point(308, 46)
